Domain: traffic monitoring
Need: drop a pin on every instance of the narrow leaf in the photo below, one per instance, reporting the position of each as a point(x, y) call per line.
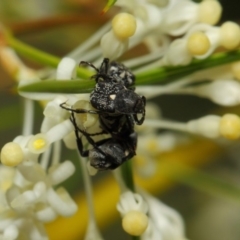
point(169, 74)
point(160, 76)
point(53, 86)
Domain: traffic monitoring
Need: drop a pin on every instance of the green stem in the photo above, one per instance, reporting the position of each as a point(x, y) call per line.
point(33, 53)
point(127, 174)
point(40, 56)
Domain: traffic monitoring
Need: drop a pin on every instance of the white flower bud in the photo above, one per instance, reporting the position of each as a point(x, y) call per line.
point(223, 92)
point(164, 222)
point(130, 201)
point(61, 202)
point(66, 69)
point(177, 53)
point(45, 213)
point(207, 126)
point(29, 197)
point(112, 47)
point(70, 140)
point(61, 172)
point(209, 11)
point(180, 17)
point(48, 123)
point(153, 17)
point(33, 173)
point(10, 233)
point(37, 231)
point(211, 35)
point(53, 109)
point(24, 200)
point(39, 189)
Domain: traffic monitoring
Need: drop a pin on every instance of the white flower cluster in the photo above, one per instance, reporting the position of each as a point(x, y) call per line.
point(29, 194)
point(153, 23)
point(145, 215)
point(28, 199)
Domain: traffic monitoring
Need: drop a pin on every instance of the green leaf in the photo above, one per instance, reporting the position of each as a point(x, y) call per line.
point(160, 76)
point(169, 74)
point(63, 86)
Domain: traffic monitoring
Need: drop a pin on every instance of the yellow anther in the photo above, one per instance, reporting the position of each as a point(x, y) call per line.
point(198, 44)
point(11, 154)
point(135, 223)
point(124, 25)
point(230, 35)
point(230, 126)
point(39, 143)
point(210, 11)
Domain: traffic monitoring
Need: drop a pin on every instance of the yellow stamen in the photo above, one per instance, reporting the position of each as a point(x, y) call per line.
point(39, 143)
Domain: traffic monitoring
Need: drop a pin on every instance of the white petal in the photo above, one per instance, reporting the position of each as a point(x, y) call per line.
point(166, 220)
point(11, 232)
point(40, 189)
point(66, 69)
point(33, 173)
point(24, 200)
point(61, 202)
point(61, 172)
point(130, 201)
point(46, 214)
point(37, 231)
